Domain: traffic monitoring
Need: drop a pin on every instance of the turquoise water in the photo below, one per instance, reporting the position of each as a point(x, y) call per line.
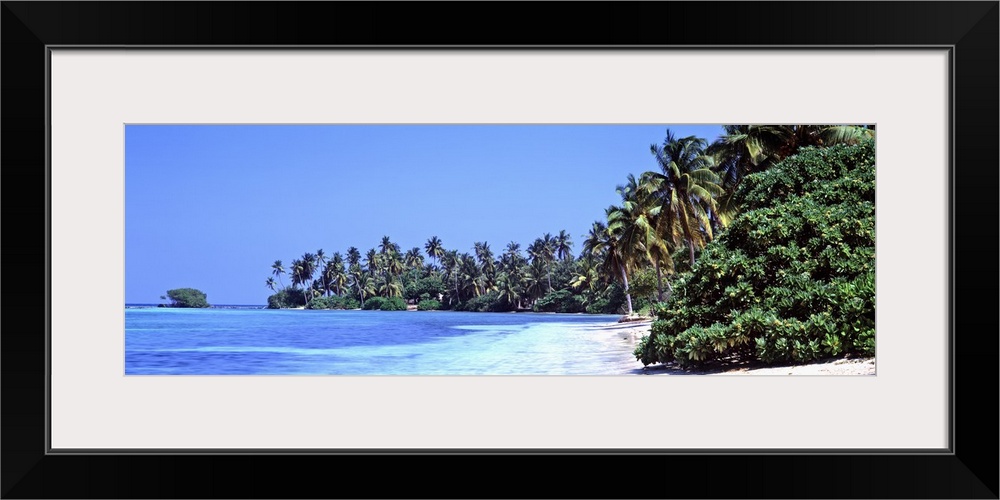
point(160, 341)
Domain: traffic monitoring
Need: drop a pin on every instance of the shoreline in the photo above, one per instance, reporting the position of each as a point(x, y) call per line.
point(632, 332)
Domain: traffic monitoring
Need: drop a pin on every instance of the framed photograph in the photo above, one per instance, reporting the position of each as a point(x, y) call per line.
point(193, 147)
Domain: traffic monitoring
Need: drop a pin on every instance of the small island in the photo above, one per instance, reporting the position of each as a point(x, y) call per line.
point(185, 297)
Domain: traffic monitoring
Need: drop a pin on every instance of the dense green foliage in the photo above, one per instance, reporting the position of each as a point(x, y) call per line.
point(333, 302)
point(758, 245)
point(563, 301)
point(393, 304)
point(285, 299)
point(373, 304)
point(428, 305)
point(187, 297)
point(793, 277)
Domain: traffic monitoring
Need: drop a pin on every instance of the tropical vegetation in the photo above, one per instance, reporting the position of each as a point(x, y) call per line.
point(187, 297)
point(756, 246)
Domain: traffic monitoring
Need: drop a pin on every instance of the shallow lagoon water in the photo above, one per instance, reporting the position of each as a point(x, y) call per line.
point(162, 341)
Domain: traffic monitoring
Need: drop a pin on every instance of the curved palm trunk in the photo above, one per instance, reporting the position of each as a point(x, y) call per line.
point(280, 282)
point(628, 296)
point(659, 283)
point(687, 235)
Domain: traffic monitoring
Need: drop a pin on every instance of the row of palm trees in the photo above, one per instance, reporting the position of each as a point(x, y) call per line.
point(690, 197)
point(386, 270)
point(679, 206)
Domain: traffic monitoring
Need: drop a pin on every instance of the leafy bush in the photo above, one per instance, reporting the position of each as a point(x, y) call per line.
point(563, 301)
point(318, 303)
point(428, 305)
point(609, 301)
point(287, 298)
point(343, 302)
point(393, 304)
point(430, 286)
point(793, 277)
point(373, 303)
point(187, 297)
point(488, 302)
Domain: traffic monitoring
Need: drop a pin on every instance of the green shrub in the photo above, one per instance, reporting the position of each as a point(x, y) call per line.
point(393, 304)
point(287, 298)
point(488, 302)
point(343, 303)
point(793, 277)
point(563, 301)
point(428, 305)
point(373, 303)
point(430, 286)
point(187, 297)
point(609, 301)
point(319, 303)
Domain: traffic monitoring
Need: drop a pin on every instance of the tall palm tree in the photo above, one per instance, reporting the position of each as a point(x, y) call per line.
point(434, 248)
point(385, 246)
point(509, 291)
point(278, 270)
point(534, 280)
point(363, 282)
point(413, 259)
point(338, 277)
point(450, 262)
point(372, 262)
point(686, 187)
point(310, 261)
point(469, 275)
point(603, 243)
point(643, 230)
point(320, 264)
point(587, 275)
point(394, 263)
point(353, 257)
point(486, 264)
point(543, 250)
point(564, 245)
point(745, 149)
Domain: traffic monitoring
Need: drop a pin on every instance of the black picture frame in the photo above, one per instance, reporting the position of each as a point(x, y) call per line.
point(970, 470)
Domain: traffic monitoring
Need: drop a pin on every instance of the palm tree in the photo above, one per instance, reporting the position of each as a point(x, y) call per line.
point(745, 149)
point(320, 261)
point(451, 262)
point(469, 275)
point(564, 245)
point(434, 248)
point(686, 187)
point(543, 250)
point(339, 278)
point(534, 280)
point(587, 275)
point(385, 246)
point(363, 282)
point(278, 270)
point(646, 234)
point(508, 289)
point(298, 274)
point(270, 283)
point(353, 257)
point(394, 264)
point(372, 262)
point(413, 259)
point(603, 243)
point(486, 264)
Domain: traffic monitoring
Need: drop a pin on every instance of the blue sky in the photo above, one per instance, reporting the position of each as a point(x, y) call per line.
point(212, 207)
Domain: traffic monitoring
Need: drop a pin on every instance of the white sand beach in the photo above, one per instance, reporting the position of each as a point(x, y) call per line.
point(632, 332)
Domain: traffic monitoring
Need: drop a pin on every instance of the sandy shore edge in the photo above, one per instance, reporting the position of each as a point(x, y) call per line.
point(634, 331)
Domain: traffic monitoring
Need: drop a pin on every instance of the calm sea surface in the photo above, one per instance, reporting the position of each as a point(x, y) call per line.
point(160, 341)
